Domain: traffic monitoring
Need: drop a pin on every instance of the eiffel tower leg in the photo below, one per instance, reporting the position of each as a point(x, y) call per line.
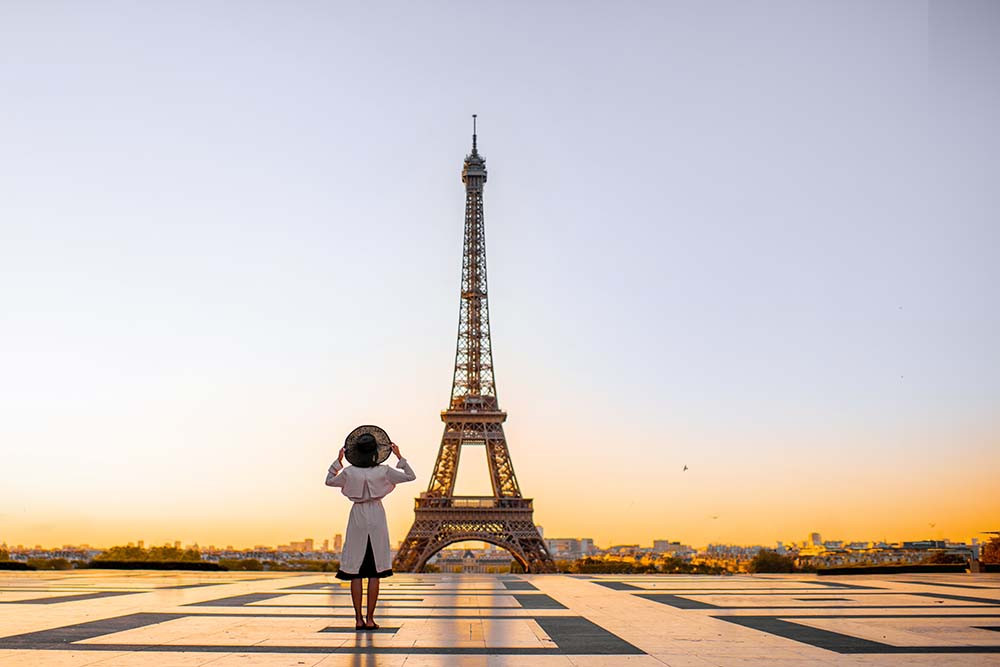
point(408, 558)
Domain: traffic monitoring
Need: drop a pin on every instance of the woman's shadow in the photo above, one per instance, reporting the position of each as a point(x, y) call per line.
point(364, 659)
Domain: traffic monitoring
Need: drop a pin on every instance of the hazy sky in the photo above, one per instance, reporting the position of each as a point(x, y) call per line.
point(755, 238)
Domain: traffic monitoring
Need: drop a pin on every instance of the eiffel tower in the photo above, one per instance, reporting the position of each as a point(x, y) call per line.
point(473, 418)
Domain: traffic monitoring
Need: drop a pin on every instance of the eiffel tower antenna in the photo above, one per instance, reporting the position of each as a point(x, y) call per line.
point(473, 418)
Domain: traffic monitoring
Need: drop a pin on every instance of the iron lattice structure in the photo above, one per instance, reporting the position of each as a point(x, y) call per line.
point(473, 418)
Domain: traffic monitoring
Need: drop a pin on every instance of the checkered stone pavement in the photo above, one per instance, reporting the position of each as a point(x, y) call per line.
point(114, 619)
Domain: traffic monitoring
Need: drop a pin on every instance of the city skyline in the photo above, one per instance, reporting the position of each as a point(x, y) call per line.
point(332, 543)
point(328, 545)
point(742, 272)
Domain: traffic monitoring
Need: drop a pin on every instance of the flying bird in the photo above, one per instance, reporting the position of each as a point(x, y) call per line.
point(685, 468)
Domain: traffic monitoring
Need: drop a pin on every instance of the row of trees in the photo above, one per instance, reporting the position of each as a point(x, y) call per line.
point(765, 561)
point(159, 556)
point(631, 566)
point(163, 554)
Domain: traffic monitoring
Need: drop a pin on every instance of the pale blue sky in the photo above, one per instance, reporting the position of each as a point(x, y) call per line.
point(755, 237)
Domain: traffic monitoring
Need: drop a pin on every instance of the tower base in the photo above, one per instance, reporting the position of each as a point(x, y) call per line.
point(503, 522)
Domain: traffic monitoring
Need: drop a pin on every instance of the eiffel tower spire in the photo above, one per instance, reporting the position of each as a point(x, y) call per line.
point(473, 418)
point(472, 383)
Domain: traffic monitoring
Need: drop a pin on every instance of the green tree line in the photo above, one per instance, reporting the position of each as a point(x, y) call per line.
point(163, 554)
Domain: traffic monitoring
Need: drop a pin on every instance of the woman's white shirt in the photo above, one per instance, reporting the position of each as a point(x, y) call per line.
point(363, 484)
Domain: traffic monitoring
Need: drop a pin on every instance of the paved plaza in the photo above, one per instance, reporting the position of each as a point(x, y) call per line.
point(119, 618)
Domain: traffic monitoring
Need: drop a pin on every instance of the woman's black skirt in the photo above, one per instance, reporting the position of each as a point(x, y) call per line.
point(367, 570)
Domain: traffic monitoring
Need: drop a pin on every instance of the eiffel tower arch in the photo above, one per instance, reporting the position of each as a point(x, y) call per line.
point(473, 418)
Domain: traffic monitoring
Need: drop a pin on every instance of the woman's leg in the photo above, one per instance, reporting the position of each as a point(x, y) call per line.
point(373, 585)
point(356, 599)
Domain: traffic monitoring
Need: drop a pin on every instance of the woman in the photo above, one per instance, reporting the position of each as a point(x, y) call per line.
point(366, 482)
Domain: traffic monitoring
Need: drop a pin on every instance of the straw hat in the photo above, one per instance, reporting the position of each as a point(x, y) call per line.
point(367, 446)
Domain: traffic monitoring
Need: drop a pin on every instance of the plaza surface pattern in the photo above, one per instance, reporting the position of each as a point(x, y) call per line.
point(132, 618)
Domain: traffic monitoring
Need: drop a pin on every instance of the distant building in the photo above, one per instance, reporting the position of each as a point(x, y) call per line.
point(623, 549)
point(925, 544)
point(815, 539)
point(485, 561)
point(338, 543)
point(669, 548)
point(569, 547)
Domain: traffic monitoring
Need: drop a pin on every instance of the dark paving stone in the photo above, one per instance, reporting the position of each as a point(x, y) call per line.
point(768, 594)
point(415, 607)
point(519, 586)
point(353, 630)
point(687, 603)
point(825, 639)
point(961, 598)
point(617, 585)
point(60, 637)
point(841, 643)
point(525, 600)
point(837, 584)
point(572, 635)
point(536, 601)
point(67, 589)
point(750, 591)
point(576, 635)
point(960, 615)
point(237, 600)
point(387, 596)
point(994, 628)
point(934, 583)
point(72, 598)
point(425, 589)
point(677, 601)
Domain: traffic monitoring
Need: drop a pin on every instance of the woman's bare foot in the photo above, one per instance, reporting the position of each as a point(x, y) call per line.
point(370, 624)
point(359, 623)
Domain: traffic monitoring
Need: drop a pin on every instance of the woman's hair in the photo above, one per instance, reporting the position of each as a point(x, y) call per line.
point(368, 451)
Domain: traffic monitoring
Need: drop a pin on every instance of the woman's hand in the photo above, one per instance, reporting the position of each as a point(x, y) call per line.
point(395, 450)
point(340, 456)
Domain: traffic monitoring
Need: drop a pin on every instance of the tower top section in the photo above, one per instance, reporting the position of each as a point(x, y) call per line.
point(474, 168)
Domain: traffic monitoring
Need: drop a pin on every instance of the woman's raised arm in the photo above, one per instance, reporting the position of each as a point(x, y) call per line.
point(405, 472)
point(333, 476)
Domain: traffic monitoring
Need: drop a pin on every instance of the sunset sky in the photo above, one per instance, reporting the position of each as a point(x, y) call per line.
point(756, 239)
